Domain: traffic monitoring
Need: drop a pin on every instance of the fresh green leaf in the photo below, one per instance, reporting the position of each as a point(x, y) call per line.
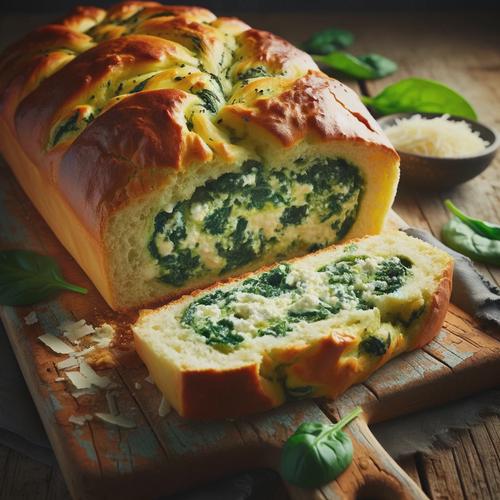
point(462, 238)
point(382, 66)
point(366, 67)
point(27, 277)
point(326, 41)
point(483, 228)
point(316, 454)
point(415, 95)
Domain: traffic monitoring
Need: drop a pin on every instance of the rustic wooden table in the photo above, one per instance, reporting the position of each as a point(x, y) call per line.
point(460, 49)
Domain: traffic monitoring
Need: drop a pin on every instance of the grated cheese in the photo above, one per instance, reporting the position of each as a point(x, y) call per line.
point(439, 137)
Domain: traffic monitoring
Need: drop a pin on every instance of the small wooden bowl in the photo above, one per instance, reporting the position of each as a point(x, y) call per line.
point(431, 172)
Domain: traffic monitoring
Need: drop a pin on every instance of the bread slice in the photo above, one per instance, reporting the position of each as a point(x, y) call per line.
point(169, 149)
point(309, 327)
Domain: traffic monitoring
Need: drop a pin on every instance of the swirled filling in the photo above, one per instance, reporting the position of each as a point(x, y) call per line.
point(256, 214)
point(275, 302)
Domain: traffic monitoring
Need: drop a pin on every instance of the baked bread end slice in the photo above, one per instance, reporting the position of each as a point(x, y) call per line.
point(309, 327)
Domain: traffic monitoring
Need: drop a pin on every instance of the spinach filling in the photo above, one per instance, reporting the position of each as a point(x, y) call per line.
point(274, 302)
point(240, 217)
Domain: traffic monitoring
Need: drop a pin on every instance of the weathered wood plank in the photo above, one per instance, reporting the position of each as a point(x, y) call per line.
point(439, 476)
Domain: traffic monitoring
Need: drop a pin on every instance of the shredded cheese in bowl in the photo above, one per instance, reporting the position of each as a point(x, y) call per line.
point(439, 137)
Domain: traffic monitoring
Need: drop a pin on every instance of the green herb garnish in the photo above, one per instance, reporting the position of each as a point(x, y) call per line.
point(316, 454)
point(367, 67)
point(329, 40)
point(27, 277)
point(483, 228)
point(415, 95)
point(462, 238)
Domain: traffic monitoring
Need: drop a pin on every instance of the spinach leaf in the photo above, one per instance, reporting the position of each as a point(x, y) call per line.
point(375, 345)
point(316, 453)
point(210, 100)
point(415, 95)
point(140, 86)
point(240, 249)
point(27, 277)
point(216, 222)
point(382, 66)
point(462, 238)
point(326, 41)
point(367, 67)
point(390, 276)
point(483, 228)
point(179, 265)
point(250, 73)
point(294, 215)
point(269, 284)
point(279, 329)
point(220, 333)
point(70, 125)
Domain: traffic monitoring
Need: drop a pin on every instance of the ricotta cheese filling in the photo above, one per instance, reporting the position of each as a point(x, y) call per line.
point(242, 217)
point(286, 297)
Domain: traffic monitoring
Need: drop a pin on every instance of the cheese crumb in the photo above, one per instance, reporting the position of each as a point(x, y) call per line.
point(31, 318)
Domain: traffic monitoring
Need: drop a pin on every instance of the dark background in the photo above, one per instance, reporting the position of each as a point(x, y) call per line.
point(229, 6)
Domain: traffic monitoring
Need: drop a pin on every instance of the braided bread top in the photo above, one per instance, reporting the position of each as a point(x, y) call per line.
point(107, 103)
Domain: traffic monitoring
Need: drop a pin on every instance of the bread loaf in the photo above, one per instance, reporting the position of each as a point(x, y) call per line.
point(308, 327)
point(168, 148)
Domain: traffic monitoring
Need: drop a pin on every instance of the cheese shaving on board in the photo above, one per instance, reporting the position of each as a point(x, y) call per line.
point(76, 330)
point(439, 137)
point(55, 344)
point(67, 363)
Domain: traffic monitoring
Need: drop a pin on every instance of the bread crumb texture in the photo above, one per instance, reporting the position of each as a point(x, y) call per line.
point(307, 327)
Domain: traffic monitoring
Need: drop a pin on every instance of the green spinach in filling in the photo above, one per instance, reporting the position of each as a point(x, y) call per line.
point(226, 317)
point(237, 218)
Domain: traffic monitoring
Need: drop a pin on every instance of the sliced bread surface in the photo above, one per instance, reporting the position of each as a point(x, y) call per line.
point(309, 327)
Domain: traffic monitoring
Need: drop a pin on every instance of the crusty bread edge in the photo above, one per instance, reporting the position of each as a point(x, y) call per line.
point(192, 393)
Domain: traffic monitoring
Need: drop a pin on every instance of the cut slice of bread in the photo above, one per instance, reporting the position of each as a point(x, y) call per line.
point(308, 327)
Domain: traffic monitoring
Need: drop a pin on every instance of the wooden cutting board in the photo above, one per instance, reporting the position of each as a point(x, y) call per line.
point(162, 455)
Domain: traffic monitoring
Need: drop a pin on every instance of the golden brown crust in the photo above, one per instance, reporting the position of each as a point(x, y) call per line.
point(238, 392)
point(437, 309)
point(103, 142)
point(315, 105)
point(125, 169)
point(209, 394)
